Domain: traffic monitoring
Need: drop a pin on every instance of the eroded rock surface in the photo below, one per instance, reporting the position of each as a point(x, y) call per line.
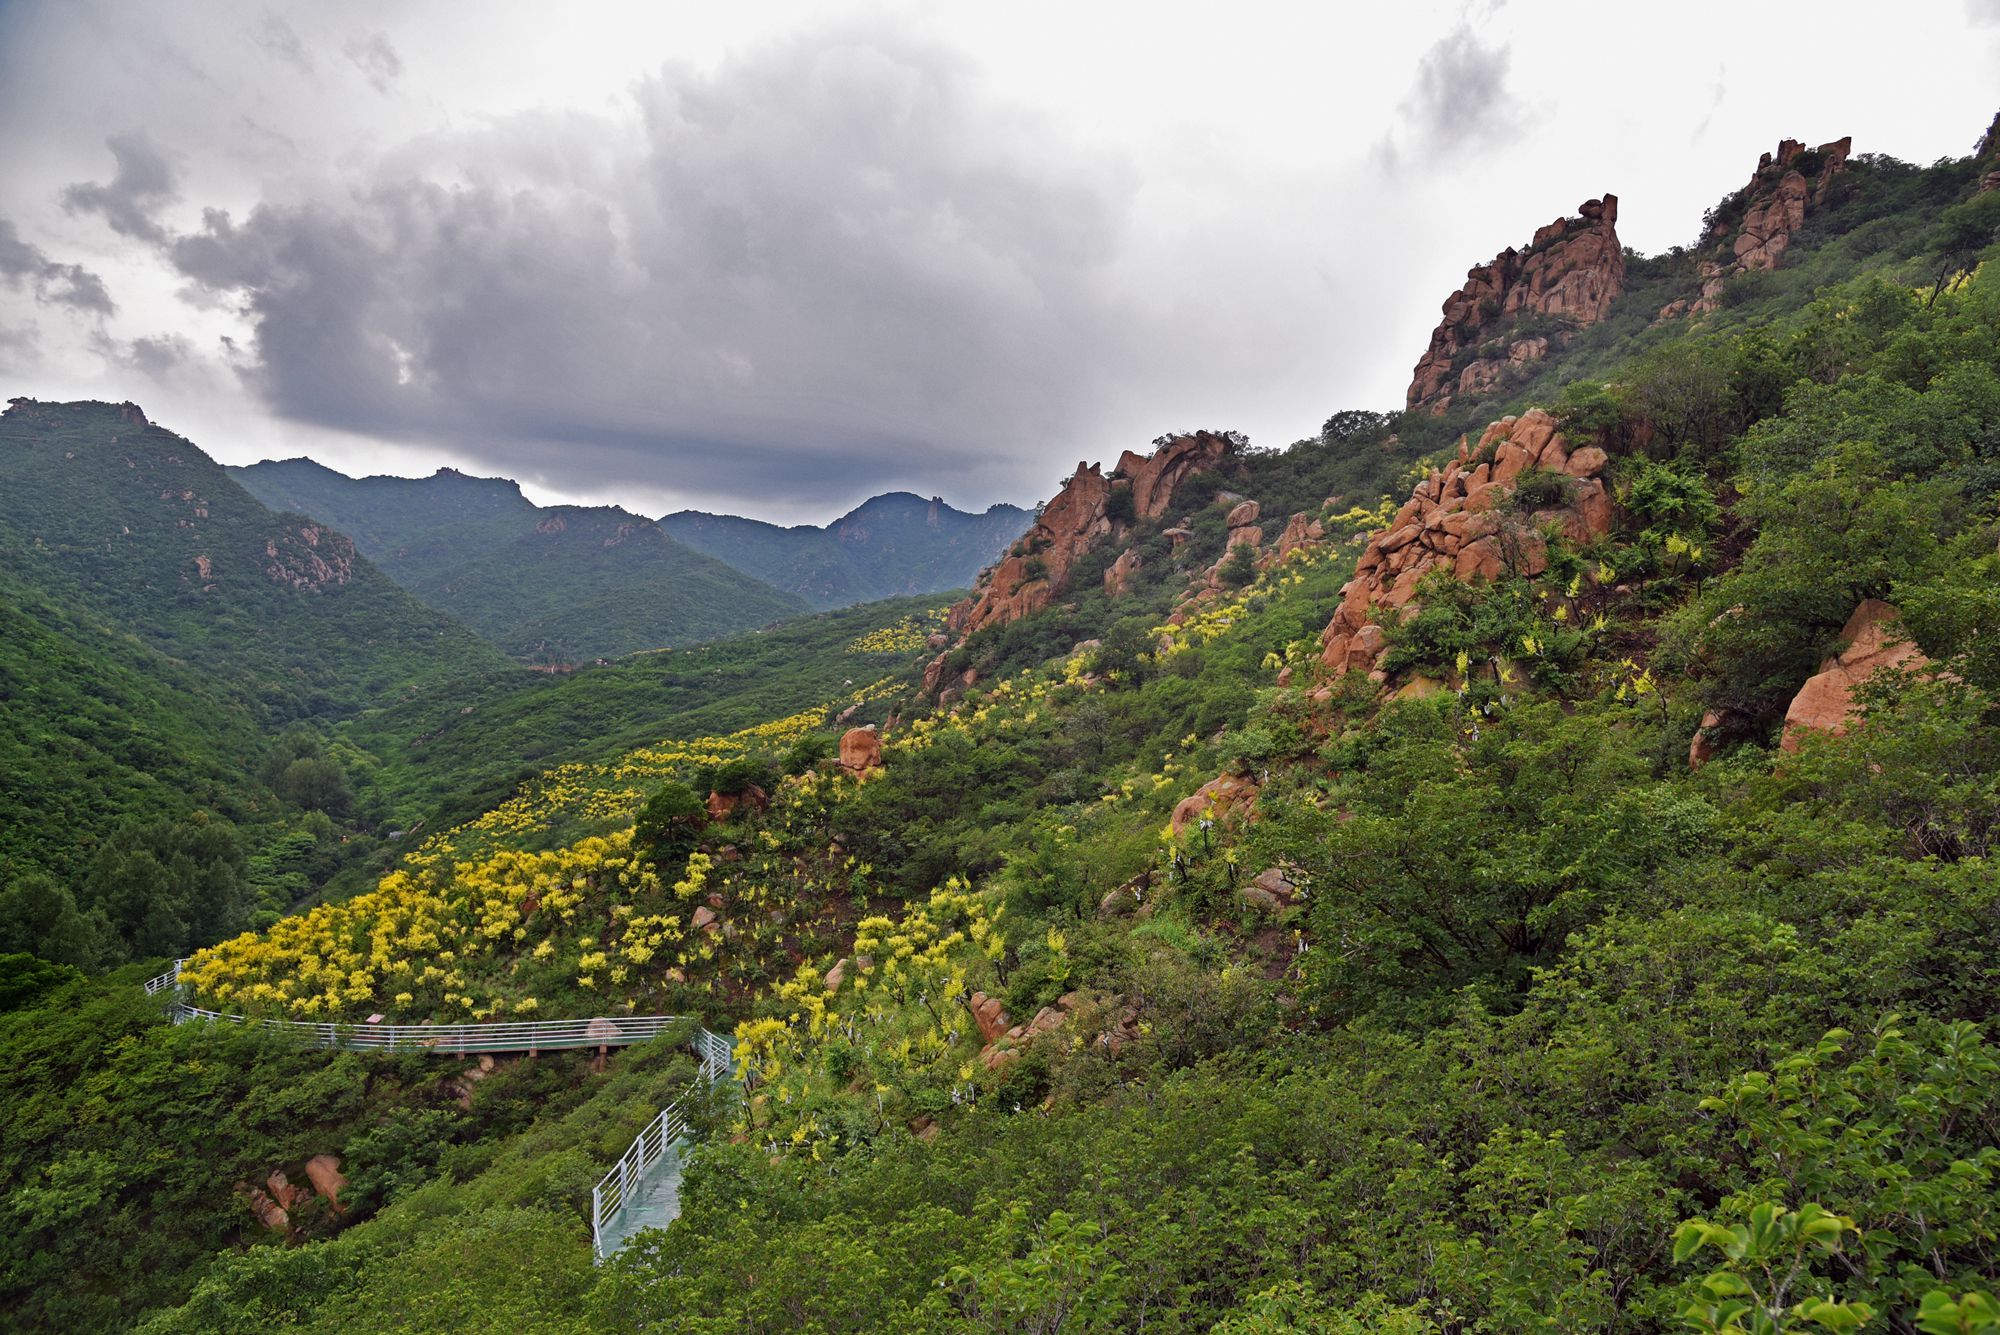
point(1454, 522)
point(1786, 187)
point(1570, 274)
point(1875, 642)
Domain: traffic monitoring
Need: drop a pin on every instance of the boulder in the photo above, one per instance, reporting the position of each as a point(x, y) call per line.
point(1219, 795)
point(287, 1196)
point(1586, 462)
point(323, 1171)
point(990, 1015)
point(860, 750)
point(1703, 747)
point(1300, 531)
point(1873, 643)
point(1242, 515)
point(267, 1211)
point(1270, 890)
point(1119, 577)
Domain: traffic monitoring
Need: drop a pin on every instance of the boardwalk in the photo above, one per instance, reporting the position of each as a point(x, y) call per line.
point(643, 1190)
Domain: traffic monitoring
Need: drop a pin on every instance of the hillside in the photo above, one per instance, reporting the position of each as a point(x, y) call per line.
point(108, 513)
point(886, 547)
point(1518, 863)
point(163, 630)
point(550, 585)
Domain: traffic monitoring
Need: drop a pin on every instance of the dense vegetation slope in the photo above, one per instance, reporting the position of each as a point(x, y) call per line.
point(1172, 978)
point(552, 585)
point(886, 546)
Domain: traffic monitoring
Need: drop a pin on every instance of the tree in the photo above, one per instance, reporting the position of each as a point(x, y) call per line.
point(170, 886)
point(1963, 231)
point(39, 916)
point(669, 824)
point(1353, 424)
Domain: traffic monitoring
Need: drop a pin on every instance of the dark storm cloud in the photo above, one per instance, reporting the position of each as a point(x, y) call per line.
point(24, 266)
point(376, 59)
point(143, 182)
point(156, 357)
point(828, 265)
point(1459, 99)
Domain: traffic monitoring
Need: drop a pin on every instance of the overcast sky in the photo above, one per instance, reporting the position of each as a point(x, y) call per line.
point(775, 258)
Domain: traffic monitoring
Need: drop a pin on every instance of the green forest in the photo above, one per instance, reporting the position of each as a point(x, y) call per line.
point(1571, 963)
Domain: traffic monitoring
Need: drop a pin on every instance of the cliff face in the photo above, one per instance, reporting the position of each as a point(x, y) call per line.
point(1752, 232)
point(1037, 568)
point(1568, 277)
point(1457, 520)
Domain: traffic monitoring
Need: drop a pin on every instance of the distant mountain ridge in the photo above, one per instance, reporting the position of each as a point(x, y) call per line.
point(158, 624)
point(889, 545)
point(439, 535)
point(550, 584)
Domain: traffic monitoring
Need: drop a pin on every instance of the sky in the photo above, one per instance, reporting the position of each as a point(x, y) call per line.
point(773, 259)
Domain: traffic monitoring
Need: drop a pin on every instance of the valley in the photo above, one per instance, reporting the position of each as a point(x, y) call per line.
point(1520, 861)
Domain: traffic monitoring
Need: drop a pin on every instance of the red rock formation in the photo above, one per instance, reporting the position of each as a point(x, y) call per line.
point(269, 1213)
point(1572, 271)
point(1119, 577)
point(1826, 702)
point(1220, 794)
point(1775, 205)
point(860, 750)
point(1301, 531)
point(721, 806)
point(1037, 568)
point(1452, 522)
point(323, 1171)
point(990, 1016)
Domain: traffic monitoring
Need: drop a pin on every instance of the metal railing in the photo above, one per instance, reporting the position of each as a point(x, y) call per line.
point(615, 1190)
point(605, 1031)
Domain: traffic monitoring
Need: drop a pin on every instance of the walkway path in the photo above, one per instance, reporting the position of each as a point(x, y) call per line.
point(642, 1191)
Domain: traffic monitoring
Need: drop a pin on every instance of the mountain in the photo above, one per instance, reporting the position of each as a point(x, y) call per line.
point(383, 514)
point(1523, 862)
point(885, 547)
point(132, 525)
point(555, 585)
point(161, 625)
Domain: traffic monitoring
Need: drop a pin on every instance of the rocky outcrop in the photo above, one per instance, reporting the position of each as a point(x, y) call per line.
point(1003, 1047)
point(1037, 568)
point(308, 557)
point(1214, 800)
point(1301, 532)
point(1454, 522)
point(990, 1015)
point(721, 806)
point(1570, 274)
point(1119, 577)
point(1784, 189)
point(1874, 640)
point(1269, 891)
point(860, 750)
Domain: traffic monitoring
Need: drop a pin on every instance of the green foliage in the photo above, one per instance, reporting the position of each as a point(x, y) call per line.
point(1240, 568)
point(1465, 855)
point(555, 585)
point(667, 826)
